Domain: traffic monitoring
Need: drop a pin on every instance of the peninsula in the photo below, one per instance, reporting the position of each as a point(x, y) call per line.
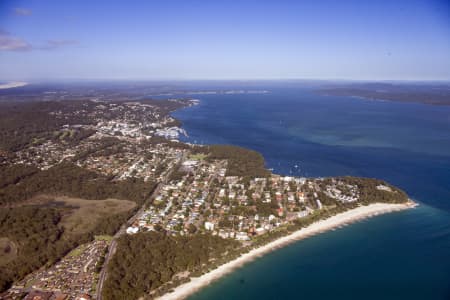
point(130, 212)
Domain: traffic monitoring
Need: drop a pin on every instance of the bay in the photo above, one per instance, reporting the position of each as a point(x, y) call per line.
point(403, 255)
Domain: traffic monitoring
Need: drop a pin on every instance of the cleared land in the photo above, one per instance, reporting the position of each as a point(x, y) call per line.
point(80, 215)
point(45, 228)
point(198, 156)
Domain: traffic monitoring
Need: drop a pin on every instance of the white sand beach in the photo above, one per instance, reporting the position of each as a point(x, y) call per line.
point(353, 215)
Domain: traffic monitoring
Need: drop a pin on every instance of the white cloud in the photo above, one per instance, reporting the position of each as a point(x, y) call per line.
point(22, 12)
point(12, 43)
point(55, 44)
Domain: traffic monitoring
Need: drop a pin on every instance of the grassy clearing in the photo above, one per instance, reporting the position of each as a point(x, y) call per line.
point(88, 212)
point(30, 283)
point(65, 221)
point(199, 156)
point(106, 238)
point(78, 250)
point(82, 215)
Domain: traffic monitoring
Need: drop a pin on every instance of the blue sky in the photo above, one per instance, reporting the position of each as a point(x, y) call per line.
point(150, 39)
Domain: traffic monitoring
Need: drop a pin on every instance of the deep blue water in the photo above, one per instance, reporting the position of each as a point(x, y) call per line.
point(403, 255)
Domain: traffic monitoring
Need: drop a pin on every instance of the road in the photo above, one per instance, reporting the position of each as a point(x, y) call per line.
point(122, 230)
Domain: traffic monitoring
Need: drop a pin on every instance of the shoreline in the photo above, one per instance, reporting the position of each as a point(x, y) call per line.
point(195, 284)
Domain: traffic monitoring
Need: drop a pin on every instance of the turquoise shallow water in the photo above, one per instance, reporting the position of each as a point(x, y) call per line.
point(387, 257)
point(402, 255)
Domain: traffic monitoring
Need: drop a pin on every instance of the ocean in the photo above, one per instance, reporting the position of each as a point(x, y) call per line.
point(403, 255)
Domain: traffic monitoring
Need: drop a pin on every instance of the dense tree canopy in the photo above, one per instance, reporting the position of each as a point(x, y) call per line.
point(24, 123)
point(370, 193)
point(38, 237)
point(71, 180)
point(145, 261)
point(241, 161)
point(37, 230)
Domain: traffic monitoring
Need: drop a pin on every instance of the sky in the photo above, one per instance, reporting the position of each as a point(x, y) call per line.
point(185, 40)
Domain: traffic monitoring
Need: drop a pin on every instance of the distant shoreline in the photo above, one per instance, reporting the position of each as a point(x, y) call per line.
point(395, 95)
point(350, 216)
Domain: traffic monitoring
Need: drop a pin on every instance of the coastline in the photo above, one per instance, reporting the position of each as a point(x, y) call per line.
point(350, 216)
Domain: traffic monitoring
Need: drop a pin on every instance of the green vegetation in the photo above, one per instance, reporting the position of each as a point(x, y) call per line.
point(70, 180)
point(369, 191)
point(34, 122)
point(100, 263)
point(177, 173)
point(104, 237)
point(198, 156)
point(78, 250)
point(146, 261)
point(39, 223)
point(10, 175)
point(45, 233)
point(8, 250)
point(84, 214)
point(36, 231)
point(241, 161)
point(38, 237)
point(49, 229)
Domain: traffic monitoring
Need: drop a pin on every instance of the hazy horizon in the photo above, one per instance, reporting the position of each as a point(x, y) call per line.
point(234, 80)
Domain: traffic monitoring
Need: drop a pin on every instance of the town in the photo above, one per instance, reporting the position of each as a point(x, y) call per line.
point(195, 193)
point(74, 277)
point(119, 142)
point(204, 199)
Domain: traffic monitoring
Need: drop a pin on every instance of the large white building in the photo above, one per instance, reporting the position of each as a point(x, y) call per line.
point(132, 230)
point(209, 226)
